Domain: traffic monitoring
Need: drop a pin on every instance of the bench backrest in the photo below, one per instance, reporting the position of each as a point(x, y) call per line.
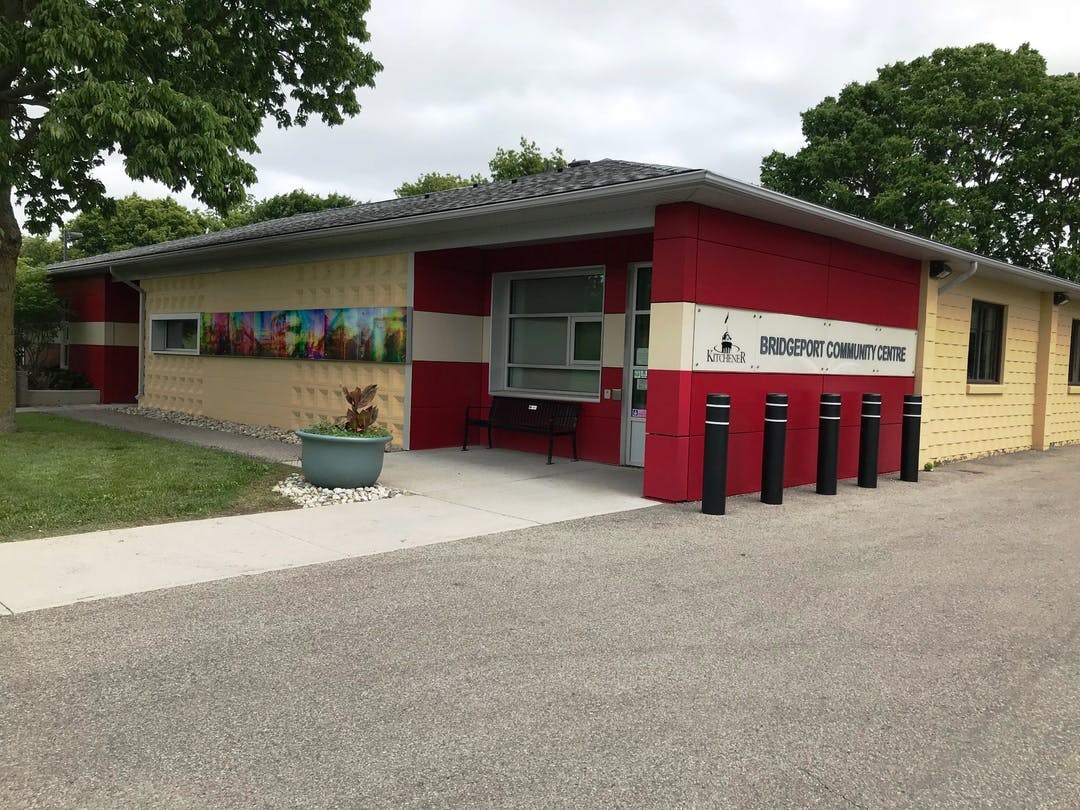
point(535, 413)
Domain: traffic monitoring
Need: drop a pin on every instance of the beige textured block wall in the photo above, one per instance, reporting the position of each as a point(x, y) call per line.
point(961, 420)
point(265, 391)
point(1063, 400)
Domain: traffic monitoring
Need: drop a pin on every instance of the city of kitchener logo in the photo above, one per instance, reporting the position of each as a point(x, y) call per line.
point(727, 352)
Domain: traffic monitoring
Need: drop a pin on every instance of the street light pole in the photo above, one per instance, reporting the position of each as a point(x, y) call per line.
point(66, 238)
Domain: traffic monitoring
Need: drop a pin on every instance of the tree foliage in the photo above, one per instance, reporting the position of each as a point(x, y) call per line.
point(976, 147)
point(289, 204)
point(135, 221)
point(39, 315)
point(505, 165)
point(435, 181)
point(510, 163)
point(180, 88)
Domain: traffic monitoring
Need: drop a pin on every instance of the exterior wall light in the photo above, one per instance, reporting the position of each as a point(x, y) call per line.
point(939, 269)
point(1060, 298)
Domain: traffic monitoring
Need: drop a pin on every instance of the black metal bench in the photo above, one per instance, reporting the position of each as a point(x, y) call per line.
point(543, 416)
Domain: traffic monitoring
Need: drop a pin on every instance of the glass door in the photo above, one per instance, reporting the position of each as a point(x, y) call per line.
point(637, 367)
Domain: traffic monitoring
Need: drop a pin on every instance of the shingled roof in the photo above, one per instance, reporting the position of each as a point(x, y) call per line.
point(578, 176)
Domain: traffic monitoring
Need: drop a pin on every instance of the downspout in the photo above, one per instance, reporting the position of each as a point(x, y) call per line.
point(973, 268)
point(142, 329)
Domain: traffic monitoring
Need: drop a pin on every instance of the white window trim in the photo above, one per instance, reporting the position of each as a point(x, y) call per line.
point(500, 335)
point(176, 316)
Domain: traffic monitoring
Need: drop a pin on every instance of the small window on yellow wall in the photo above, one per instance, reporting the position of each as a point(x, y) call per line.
point(1074, 355)
point(985, 343)
point(174, 334)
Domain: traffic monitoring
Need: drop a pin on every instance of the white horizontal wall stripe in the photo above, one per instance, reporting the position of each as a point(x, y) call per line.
point(103, 333)
point(439, 336)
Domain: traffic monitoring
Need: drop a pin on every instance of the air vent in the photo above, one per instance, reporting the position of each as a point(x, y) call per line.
point(573, 164)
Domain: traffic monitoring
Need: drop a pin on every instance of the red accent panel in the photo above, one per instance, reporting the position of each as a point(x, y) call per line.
point(748, 398)
point(615, 287)
point(746, 279)
point(678, 219)
point(450, 281)
point(674, 269)
point(851, 389)
point(669, 404)
point(440, 392)
point(666, 460)
point(874, 262)
point(872, 299)
point(113, 370)
point(726, 228)
point(121, 303)
point(616, 250)
point(744, 463)
point(85, 295)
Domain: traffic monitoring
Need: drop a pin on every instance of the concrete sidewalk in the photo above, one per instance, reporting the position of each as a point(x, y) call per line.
point(456, 495)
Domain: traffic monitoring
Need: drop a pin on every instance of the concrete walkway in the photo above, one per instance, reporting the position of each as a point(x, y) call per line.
point(455, 495)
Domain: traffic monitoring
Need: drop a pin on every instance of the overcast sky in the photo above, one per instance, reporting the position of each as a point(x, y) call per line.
point(693, 83)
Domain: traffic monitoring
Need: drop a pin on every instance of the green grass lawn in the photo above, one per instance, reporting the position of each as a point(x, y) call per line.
point(59, 476)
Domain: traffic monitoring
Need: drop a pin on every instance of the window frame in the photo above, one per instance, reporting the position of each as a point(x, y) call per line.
point(976, 330)
point(159, 328)
point(502, 317)
point(1074, 354)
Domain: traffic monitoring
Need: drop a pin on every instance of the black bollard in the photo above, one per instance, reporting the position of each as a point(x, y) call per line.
point(909, 438)
point(714, 465)
point(869, 433)
point(772, 449)
point(828, 447)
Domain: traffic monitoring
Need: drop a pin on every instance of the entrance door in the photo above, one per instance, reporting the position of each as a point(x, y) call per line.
point(637, 364)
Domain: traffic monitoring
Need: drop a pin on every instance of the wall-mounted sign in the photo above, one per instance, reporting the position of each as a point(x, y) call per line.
point(743, 340)
point(372, 334)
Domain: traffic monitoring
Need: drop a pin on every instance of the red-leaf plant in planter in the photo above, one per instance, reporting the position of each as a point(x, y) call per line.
point(347, 454)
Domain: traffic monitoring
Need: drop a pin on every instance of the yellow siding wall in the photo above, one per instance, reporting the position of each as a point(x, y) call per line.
point(962, 420)
point(284, 393)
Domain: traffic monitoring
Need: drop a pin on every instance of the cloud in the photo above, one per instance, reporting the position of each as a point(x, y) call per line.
point(714, 85)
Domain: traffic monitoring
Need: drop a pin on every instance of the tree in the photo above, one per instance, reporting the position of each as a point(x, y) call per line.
point(510, 163)
point(180, 88)
point(294, 202)
point(135, 221)
point(976, 147)
point(506, 165)
point(39, 251)
point(38, 316)
point(434, 181)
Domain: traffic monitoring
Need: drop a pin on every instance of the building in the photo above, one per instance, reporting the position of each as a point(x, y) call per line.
point(635, 289)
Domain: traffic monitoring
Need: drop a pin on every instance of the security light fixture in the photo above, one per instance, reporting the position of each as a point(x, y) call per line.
point(66, 238)
point(939, 269)
point(1060, 298)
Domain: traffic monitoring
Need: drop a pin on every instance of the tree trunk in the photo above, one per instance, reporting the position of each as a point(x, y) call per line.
point(10, 244)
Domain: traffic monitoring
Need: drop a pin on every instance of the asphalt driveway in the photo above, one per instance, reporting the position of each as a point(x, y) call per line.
point(914, 645)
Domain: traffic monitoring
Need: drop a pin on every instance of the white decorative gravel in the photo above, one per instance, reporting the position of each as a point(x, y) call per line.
point(300, 492)
point(181, 418)
point(295, 488)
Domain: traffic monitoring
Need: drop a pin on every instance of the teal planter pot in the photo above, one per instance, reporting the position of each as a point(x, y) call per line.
point(341, 462)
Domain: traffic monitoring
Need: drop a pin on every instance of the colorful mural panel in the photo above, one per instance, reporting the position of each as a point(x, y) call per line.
point(375, 335)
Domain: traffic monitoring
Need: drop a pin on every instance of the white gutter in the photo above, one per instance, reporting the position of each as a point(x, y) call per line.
point(973, 268)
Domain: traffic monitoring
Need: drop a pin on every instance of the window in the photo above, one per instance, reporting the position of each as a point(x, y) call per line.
point(1074, 355)
point(984, 346)
point(547, 331)
point(177, 334)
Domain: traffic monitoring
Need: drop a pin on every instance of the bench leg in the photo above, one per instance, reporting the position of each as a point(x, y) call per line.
point(573, 438)
point(489, 437)
point(551, 444)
